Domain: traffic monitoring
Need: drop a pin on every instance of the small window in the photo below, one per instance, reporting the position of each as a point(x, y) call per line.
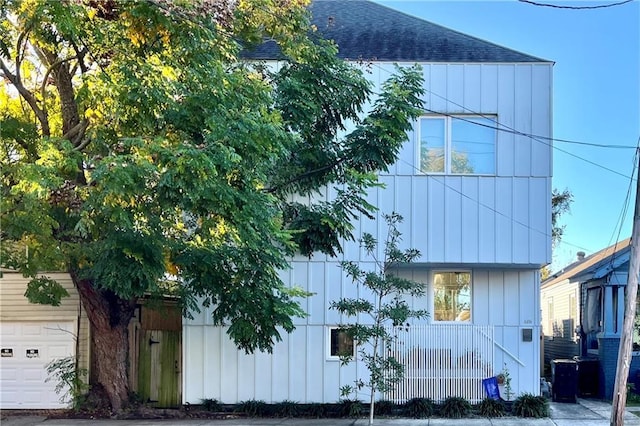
point(340, 343)
point(459, 145)
point(452, 296)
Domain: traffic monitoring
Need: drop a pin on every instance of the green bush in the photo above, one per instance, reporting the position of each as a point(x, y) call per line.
point(351, 408)
point(419, 408)
point(490, 407)
point(254, 408)
point(384, 408)
point(317, 411)
point(69, 379)
point(286, 408)
point(210, 404)
point(528, 405)
point(455, 407)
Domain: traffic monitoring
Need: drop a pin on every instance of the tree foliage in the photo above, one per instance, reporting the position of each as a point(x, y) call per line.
point(386, 308)
point(560, 204)
point(142, 155)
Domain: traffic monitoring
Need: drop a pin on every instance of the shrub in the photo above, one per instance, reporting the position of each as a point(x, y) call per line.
point(419, 408)
point(254, 408)
point(528, 405)
point(210, 404)
point(286, 408)
point(455, 407)
point(490, 407)
point(316, 410)
point(69, 379)
point(351, 408)
point(384, 408)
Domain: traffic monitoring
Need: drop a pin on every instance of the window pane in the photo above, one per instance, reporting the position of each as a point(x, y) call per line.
point(452, 296)
point(341, 343)
point(432, 145)
point(473, 145)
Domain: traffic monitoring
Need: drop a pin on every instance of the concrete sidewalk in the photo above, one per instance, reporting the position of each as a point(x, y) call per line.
point(585, 413)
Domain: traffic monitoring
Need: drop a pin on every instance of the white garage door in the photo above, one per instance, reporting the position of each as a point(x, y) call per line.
point(26, 349)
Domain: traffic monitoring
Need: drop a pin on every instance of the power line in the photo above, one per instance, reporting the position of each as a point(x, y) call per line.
point(488, 207)
point(507, 129)
point(557, 6)
point(625, 207)
point(516, 132)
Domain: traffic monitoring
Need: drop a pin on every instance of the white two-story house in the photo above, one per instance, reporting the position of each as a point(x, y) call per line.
point(474, 188)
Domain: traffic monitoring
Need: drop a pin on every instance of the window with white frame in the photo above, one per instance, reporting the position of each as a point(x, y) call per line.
point(463, 145)
point(340, 343)
point(452, 296)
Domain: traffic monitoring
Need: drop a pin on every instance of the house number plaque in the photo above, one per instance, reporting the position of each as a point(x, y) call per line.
point(6, 352)
point(33, 353)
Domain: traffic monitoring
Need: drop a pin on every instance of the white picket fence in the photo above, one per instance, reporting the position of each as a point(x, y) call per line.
point(441, 361)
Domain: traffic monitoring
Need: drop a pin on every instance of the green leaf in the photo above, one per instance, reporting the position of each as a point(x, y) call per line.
point(45, 291)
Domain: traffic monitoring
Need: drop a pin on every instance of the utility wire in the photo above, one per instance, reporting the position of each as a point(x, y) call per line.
point(625, 208)
point(516, 132)
point(486, 206)
point(504, 128)
point(557, 6)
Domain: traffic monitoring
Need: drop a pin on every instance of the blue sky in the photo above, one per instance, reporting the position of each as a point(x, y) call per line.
point(596, 99)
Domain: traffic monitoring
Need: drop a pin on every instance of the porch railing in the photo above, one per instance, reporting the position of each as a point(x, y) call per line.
point(442, 361)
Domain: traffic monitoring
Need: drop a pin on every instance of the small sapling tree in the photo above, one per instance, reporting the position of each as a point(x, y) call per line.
point(387, 307)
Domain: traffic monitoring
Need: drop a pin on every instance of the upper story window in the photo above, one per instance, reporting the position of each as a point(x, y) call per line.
point(463, 145)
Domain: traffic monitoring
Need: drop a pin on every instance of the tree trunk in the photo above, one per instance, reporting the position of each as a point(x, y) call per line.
point(109, 316)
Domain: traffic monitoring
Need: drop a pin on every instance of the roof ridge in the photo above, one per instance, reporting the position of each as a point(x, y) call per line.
point(449, 29)
point(593, 259)
point(363, 29)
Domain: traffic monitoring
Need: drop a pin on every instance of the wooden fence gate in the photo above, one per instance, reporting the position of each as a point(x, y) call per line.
point(155, 358)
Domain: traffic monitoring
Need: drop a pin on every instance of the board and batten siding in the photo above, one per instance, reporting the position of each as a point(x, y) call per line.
point(498, 227)
point(298, 368)
point(501, 219)
point(14, 307)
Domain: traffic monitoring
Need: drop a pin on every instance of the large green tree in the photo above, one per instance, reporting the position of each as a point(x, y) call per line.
point(141, 154)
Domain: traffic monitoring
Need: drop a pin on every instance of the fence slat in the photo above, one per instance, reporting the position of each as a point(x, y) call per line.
point(442, 361)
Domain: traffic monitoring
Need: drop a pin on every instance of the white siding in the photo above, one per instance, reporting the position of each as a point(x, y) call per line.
point(559, 324)
point(501, 219)
point(497, 226)
point(14, 307)
point(298, 368)
point(478, 219)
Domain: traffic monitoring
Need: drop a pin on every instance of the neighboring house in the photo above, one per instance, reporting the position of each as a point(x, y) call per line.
point(583, 312)
point(476, 203)
point(31, 336)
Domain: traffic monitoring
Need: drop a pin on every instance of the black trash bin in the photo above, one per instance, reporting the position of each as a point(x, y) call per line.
point(588, 376)
point(564, 380)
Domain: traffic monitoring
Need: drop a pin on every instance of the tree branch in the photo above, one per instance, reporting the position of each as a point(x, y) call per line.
point(76, 134)
point(27, 96)
point(50, 69)
point(64, 85)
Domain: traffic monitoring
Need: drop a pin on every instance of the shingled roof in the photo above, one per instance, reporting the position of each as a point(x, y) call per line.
point(594, 266)
point(366, 30)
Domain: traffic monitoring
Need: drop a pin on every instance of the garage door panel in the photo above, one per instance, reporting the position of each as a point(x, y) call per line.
point(32, 330)
point(8, 375)
point(60, 330)
point(23, 376)
point(36, 375)
point(57, 351)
